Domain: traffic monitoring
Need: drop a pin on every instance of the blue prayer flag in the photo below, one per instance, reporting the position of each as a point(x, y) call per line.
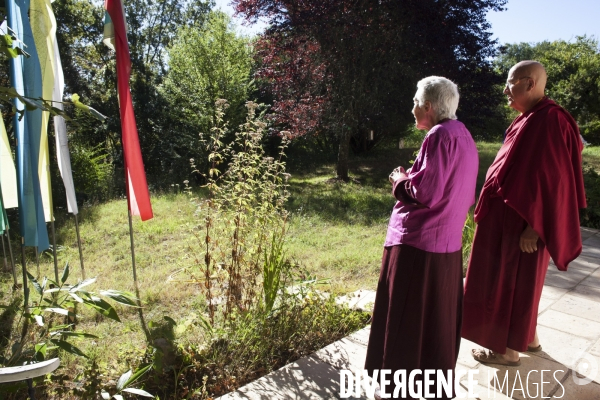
point(26, 78)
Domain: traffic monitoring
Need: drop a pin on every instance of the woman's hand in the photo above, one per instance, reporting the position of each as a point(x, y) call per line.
point(397, 173)
point(528, 240)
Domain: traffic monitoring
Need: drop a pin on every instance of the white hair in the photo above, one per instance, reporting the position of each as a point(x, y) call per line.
point(442, 93)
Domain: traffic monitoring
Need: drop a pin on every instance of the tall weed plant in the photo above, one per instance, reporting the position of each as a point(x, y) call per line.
point(244, 220)
point(262, 311)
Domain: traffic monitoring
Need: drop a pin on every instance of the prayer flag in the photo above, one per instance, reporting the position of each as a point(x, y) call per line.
point(8, 173)
point(115, 37)
point(44, 33)
point(44, 23)
point(26, 78)
point(3, 219)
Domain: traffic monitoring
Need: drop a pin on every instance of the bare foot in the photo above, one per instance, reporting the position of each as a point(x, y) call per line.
point(511, 355)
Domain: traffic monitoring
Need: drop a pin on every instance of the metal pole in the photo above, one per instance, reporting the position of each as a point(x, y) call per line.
point(132, 248)
point(4, 253)
point(12, 258)
point(37, 260)
point(8, 238)
point(25, 285)
point(6, 262)
point(79, 244)
point(54, 251)
point(137, 289)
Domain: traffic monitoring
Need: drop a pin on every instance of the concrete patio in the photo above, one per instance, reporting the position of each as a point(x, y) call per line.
point(568, 327)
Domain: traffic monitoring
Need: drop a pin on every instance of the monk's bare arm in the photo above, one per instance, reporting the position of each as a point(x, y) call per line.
point(528, 240)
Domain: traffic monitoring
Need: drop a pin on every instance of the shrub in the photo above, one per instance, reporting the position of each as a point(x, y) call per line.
point(590, 216)
point(591, 132)
point(467, 239)
point(92, 173)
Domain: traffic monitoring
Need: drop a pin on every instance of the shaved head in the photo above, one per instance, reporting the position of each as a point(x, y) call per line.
point(536, 71)
point(525, 85)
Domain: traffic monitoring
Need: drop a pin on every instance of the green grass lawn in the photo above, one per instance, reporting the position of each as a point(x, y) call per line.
point(337, 230)
point(591, 157)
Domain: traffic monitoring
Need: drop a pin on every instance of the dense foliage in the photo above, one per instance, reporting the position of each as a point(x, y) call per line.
point(349, 67)
point(206, 63)
point(332, 72)
point(573, 76)
point(89, 68)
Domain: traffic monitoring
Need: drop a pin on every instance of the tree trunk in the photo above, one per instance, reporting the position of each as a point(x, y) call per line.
point(343, 153)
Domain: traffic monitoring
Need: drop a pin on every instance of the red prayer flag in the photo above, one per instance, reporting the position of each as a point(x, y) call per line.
point(138, 197)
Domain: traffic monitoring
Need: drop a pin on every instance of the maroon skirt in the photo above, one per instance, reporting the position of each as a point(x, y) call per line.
point(418, 311)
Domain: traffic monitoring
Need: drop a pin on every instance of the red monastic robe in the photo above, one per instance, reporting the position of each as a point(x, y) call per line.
point(536, 179)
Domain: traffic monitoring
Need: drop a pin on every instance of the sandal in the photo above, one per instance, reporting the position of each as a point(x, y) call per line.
point(489, 357)
point(536, 349)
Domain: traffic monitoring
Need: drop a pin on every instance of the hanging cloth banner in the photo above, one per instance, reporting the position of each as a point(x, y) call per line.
point(115, 37)
point(44, 30)
point(3, 219)
point(8, 173)
point(26, 78)
point(60, 132)
point(44, 33)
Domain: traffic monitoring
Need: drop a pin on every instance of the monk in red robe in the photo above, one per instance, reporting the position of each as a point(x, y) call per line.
point(528, 211)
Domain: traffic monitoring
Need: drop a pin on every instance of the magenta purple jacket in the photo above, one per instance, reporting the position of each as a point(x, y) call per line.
point(434, 199)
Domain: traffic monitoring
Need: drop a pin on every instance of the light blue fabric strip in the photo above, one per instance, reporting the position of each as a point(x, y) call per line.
point(26, 77)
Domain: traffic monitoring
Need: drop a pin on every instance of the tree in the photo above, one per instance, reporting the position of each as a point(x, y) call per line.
point(206, 63)
point(90, 71)
point(367, 56)
point(573, 76)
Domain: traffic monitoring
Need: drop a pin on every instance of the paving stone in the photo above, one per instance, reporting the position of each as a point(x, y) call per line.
point(585, 263)
point(561, 347)
point(343, 354)
point(485, 393)
point(552, 292)
point(584, 308)
point(544, 304)
point(586, 292)
point(565, 279)
point(593, 280)
point(588, 367)
point(366, 302)
point(575, 325)
point(307, 379)
point(587, 232)
point(591, 247)
point(522, 382)
point(464, 353)
point(362, 299)
point(596, 376)
point(596, 349)
point(571, 390)
point(592, 241)
point(361, 336)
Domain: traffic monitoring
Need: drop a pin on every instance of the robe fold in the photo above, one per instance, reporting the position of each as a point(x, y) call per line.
point(538, 173)
point(536, 179)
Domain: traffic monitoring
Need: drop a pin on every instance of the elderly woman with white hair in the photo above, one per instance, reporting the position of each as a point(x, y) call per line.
point(417, 316)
